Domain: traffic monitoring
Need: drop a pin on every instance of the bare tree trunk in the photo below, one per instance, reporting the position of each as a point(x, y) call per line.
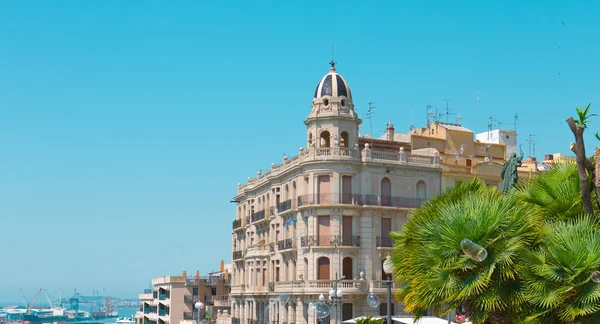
point(593, 170)
point(584, 188)
point(597, 173)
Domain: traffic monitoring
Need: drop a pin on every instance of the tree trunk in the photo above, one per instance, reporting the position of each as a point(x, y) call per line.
point(584, 186)
point(597, 173)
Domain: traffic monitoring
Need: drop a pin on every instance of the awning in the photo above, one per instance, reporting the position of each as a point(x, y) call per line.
point(423, 320)
point(353, 321)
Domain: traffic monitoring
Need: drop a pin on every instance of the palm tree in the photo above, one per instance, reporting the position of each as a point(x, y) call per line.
point(557, 273)
point(541, 253)
point(439, 276)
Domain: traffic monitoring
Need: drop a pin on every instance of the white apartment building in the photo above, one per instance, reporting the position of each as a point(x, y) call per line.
point(340, 196)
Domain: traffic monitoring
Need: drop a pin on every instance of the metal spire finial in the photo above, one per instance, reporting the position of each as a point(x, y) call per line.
point(332, 59)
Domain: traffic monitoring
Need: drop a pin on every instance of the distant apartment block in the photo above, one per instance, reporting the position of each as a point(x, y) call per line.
point(171, 298)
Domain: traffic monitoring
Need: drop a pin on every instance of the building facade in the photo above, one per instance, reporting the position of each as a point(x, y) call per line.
point(171, 298)
point(325, 214)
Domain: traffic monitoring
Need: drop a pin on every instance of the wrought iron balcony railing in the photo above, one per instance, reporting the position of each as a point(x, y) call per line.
point(284, 206)
point(260, 215)
point(237, 223)
point(358, 199)
point(385, 241)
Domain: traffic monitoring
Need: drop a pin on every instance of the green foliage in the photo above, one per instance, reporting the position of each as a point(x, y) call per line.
point(584, 116)
point(370, 320)
point(541, 253)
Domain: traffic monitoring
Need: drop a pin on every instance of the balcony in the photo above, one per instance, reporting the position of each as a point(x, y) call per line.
point(257, 250)
point(319, 286)
point(284, 206)
point(162, 312)
point(247, 221)
point(222, 301)
point(238, 289)
point(351, 240)
point(209, 299)
point(380, 286)
point(189, 315)
point(235, 320)
point(258, 216)
point(237, 223)
point(190, 299)
point(385, 242)
point(325, 240)
point(238, 254)
point(286, 244)
point(358, 199)
point(162, 297)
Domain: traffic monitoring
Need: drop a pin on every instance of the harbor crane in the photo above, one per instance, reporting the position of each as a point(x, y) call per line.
point(74, 301)
point(30, 306)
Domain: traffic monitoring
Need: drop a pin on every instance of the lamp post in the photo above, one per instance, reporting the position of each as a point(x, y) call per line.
point(199, 306)
point(388, 266)
point(321, 299)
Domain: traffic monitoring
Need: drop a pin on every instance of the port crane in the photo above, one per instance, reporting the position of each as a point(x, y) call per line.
point(74, 301)
point(30, 306)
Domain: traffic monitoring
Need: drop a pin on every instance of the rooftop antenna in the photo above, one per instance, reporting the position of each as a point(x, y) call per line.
point(491, 123)
point(458, 119)
point(412, 121)
point(515, 121)
point(427, 113)
point(370, 116)
point(448, 113)
point(531, 143)
point(332, 59)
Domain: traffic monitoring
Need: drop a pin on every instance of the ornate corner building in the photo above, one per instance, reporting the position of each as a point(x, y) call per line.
point(325, 213)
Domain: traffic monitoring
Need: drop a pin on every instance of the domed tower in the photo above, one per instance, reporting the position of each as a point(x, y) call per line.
point(332, 121)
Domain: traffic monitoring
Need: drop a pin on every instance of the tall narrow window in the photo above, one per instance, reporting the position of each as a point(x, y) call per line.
point(324, 186)
point(347, 234)
point(324, 231)
point(347, 268)
point(386, 228)
point(344, 142)
point(386, 192)
point(323, 268)
point(346, 189)
point(325, 139)
point(421, 190)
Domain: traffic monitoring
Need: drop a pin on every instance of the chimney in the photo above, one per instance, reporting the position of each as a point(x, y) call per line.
point(226, 275)
point(197, 274)
point(549, 157)
point(389, 131)
point(222, 266)
point(184, 274)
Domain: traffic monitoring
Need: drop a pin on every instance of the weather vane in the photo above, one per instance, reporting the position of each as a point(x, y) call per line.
point(332, 59)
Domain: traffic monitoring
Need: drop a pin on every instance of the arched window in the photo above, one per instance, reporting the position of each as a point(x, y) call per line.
point(344, 142)
point(323, 270)
point(310, 139)
point(325, 139)
point(386, 192)
point(286, 194)
point(421, 190)
point(347, 268)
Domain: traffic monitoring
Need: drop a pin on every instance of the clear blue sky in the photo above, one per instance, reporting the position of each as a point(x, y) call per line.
point(126, 125)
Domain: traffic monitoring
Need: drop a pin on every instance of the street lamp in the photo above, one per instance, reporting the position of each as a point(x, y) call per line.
point(388, 266)
point(199, 306)
point(335, 297)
